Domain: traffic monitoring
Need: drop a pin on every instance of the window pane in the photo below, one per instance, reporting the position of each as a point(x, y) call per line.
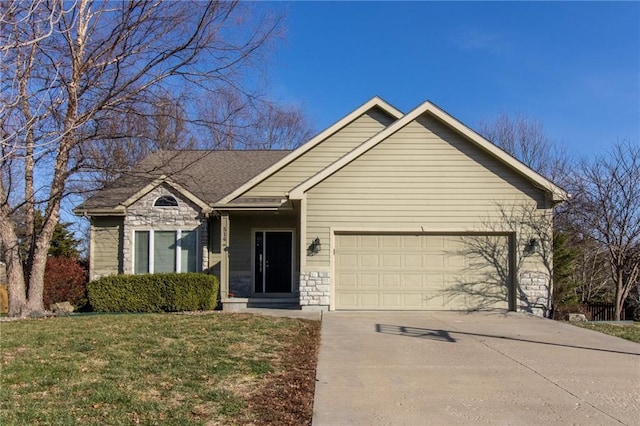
point(164, 251)
point(166, 201)
point(141, 248)
point(189, 251)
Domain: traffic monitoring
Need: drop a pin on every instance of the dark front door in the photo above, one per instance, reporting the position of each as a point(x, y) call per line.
point(272, 269)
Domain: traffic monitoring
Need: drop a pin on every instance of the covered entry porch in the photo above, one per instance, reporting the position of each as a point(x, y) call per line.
point(255, 254)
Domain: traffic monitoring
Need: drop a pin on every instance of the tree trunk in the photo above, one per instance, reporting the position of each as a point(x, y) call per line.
point(620, 294)
point(11, 249)
point(15, 272)
point(15, 283)
point(35, 304)
point(619, 303)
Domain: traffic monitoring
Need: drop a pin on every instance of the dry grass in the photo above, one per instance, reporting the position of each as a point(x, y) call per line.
point(628, 331)
point(158, 369)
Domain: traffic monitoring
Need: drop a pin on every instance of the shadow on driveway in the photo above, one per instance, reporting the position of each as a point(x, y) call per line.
point(445, 336)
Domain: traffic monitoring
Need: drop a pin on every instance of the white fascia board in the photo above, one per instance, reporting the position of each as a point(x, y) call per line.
point(319, 138)
point(558, 194)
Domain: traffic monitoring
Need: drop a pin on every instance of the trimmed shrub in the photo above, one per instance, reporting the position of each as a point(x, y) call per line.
point(65, 280)
point(169, 292)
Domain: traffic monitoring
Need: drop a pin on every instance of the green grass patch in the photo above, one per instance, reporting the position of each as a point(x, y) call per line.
point(628, 331)
point(146, 368)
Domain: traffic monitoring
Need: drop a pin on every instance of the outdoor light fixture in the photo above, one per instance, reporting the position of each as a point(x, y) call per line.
point(531, 245)
point(315, 247)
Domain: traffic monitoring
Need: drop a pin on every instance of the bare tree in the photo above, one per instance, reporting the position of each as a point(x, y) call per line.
point(138, 133)
point(234, 122)
point(525, 138)
point(606, 207)
point(71, 70)
point(279, 127)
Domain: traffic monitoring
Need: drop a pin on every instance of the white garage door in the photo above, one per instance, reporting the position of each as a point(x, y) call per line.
point(428, 272)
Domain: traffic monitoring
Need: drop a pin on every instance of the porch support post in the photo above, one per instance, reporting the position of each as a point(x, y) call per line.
point(224, 255)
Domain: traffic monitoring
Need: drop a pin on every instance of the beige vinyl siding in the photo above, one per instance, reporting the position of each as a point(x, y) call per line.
point(106, 246)
point(322, 155)
point(423, 177)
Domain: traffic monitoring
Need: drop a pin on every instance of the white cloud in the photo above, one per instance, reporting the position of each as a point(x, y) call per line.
point(475, 39)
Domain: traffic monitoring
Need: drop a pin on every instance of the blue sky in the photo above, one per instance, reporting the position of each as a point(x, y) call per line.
point(573, 66)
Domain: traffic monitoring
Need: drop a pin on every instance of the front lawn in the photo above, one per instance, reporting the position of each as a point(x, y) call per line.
point(629, 331)
point(158, 369)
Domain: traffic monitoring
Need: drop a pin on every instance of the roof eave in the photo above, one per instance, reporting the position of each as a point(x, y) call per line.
point(282, 204)
point(114, 211)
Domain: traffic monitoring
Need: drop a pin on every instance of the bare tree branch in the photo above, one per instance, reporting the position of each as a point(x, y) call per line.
point(73, 72)
point(606, 208)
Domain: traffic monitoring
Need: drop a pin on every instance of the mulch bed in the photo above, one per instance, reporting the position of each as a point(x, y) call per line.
point(287, 397)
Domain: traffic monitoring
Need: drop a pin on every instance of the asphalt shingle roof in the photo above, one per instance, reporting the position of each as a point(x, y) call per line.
point(209, 175)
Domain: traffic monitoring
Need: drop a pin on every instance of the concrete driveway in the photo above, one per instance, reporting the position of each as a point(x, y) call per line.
point(427, 368)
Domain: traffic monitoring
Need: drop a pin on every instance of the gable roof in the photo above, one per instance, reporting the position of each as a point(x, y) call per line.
point(375, 102)
point(202, 176)
point(215, 179)
point(557, 194)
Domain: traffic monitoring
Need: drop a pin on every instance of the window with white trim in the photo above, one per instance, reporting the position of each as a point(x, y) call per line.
point(165, 251)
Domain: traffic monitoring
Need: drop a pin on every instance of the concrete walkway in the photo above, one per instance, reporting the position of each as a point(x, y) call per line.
point(396, 368)
point(289, 313)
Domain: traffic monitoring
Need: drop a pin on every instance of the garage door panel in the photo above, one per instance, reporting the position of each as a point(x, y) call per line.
point(434, 242)
point(456, 261)
point(412, 301)
point(434, 272)
point(435, 280)
point(412, 242)
point(347, 241)
point(370, 300)
point(369, 281)
point(391, 261)
point(412, 281)
point(391, 300)
point(348, 300)
point(455, 302)
point(347, 261)
point(434, 261)
point(347, 280)
point(391, 241)
point(393, 280)
point(412, 260)
point(435, 302)
point(369, 241)
point(369, 260)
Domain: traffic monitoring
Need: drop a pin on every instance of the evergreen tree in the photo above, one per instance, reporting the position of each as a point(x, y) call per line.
point(564, 258)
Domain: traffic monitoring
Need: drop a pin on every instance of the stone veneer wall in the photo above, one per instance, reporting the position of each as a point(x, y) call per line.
point(142, 215)
point(534, 294)
point(315, 290)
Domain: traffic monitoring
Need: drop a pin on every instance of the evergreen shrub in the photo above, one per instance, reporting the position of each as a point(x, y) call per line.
point(167, 292)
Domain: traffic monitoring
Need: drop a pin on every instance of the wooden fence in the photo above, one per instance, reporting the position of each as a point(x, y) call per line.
point(604, 312)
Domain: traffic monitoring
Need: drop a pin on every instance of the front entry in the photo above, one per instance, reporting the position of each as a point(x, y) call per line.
point(273, 261)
